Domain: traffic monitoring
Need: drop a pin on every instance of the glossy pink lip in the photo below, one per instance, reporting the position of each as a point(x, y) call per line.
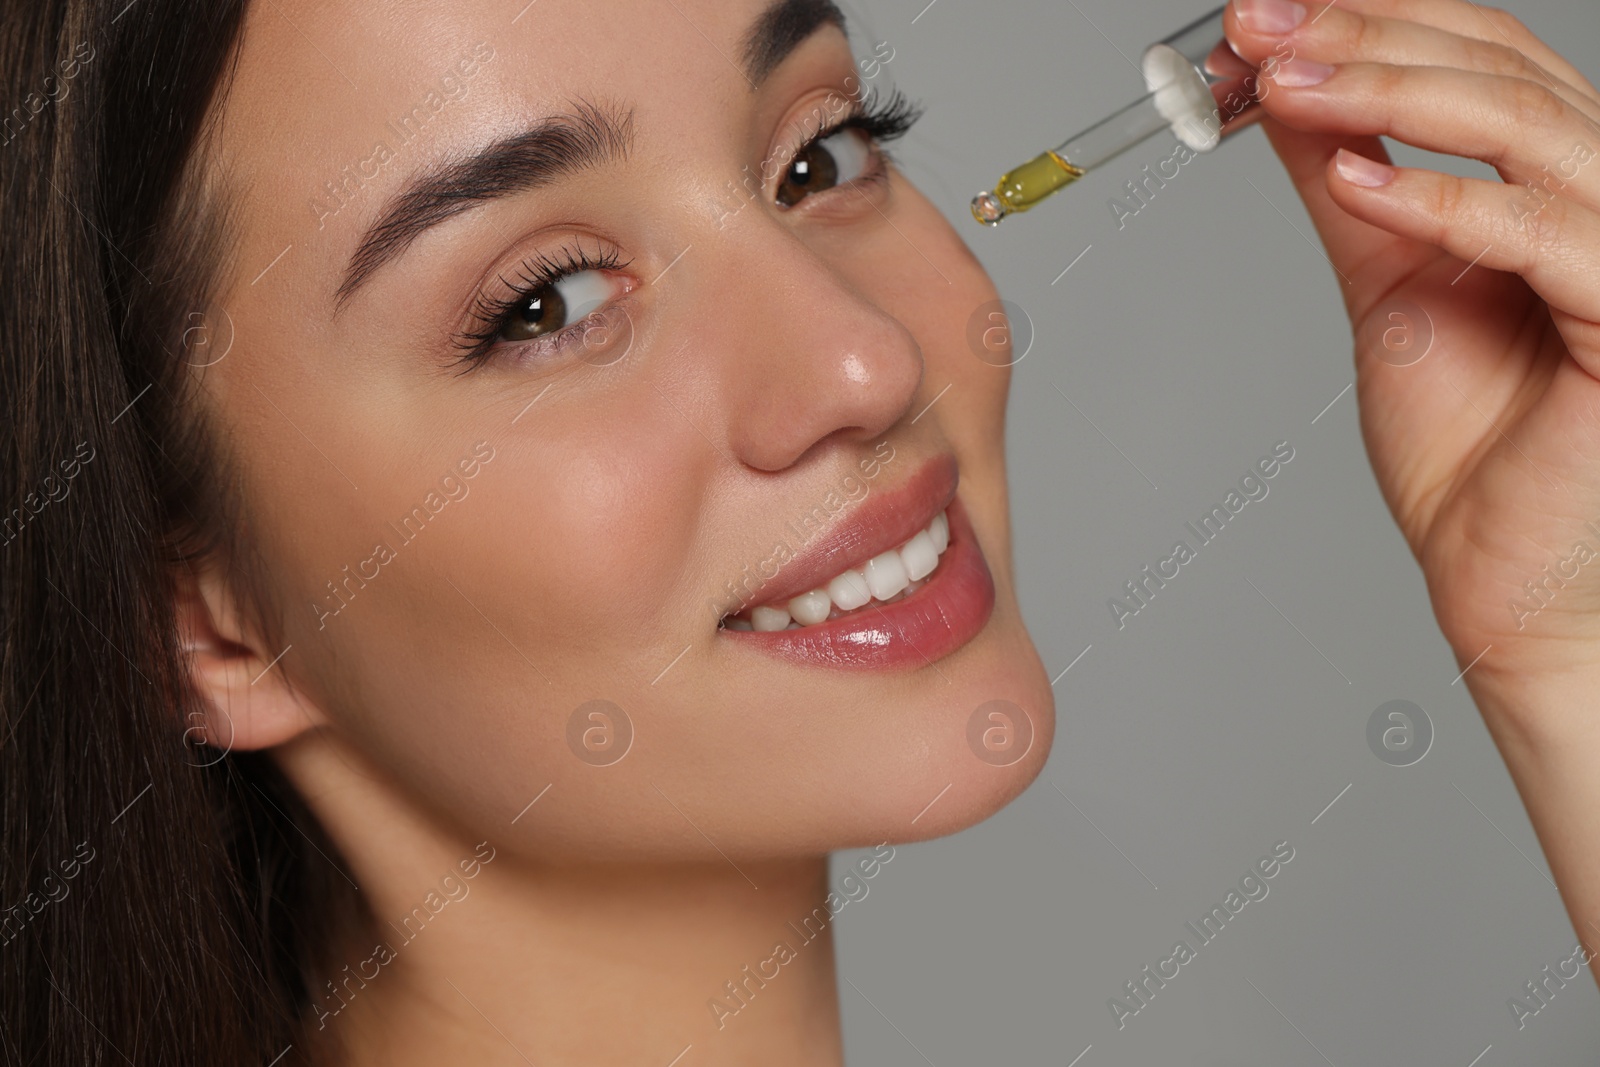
point(950, 608)
point(883, 519)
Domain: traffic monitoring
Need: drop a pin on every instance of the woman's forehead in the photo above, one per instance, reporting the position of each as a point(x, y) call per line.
point(336, 107)
point(313, 72)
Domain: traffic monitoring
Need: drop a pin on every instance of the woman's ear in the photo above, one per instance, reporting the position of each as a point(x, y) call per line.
point(247, 701)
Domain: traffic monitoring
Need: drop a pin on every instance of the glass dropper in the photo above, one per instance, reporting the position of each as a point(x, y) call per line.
point(1197, 88)
point(1022, 187)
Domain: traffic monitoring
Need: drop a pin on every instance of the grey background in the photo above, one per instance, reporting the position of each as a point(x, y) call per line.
point(1208, 729)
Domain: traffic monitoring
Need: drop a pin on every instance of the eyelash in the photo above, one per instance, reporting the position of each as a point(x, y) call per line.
point(491, 313)
point(881, 120)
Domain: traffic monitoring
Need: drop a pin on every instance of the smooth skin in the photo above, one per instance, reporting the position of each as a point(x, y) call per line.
point(1487, 450)
point(426, 721)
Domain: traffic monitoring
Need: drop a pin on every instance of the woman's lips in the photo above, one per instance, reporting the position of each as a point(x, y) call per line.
point(944, 612)
point(888, 576)
point(881, 520)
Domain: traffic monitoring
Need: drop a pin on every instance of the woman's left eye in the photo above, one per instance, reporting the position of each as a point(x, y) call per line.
point(840, 157)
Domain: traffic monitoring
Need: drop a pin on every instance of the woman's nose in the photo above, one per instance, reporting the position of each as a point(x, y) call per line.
point(806, 354)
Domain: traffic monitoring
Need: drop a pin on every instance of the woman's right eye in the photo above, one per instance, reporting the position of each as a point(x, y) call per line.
point(554, 305)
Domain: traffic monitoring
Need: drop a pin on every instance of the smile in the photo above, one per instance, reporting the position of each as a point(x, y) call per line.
point(901, 583)
point(884, 579)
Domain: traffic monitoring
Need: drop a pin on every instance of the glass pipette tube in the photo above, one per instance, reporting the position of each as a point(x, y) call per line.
point(1022, 187)
point(1197, 88)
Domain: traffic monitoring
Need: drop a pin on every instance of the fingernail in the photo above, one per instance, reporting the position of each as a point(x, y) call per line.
point(1296, 73)
point(1269, 16)
point(1359, 170)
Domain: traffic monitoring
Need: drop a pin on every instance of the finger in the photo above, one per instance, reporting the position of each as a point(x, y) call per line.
point(1337, 35)
point(1528, 133)
point(1555, 249)
point(1476, 21)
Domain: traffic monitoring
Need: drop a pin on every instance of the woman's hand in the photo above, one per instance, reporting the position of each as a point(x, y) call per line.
point(1487, 449)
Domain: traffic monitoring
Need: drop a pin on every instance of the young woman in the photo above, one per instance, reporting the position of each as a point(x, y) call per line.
point(503, 491)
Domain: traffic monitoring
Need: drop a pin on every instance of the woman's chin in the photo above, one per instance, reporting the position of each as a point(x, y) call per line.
point(978, 743)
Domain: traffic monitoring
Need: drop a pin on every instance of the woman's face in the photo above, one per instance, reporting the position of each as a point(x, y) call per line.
point(481, 511)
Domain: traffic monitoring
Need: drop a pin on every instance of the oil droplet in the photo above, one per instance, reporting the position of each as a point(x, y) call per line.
point(988, 208)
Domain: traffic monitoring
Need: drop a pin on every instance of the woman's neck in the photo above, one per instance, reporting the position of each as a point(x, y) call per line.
point(638, 965)
point(472, 955)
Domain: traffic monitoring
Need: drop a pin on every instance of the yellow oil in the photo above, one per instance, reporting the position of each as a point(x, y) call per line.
point(1024, 186)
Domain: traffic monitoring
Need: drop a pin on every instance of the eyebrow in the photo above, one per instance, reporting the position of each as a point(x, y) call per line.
point(779, 31)
point(558, 146)
point(587, 136)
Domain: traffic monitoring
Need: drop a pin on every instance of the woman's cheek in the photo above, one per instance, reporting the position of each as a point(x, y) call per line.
point(588, 532)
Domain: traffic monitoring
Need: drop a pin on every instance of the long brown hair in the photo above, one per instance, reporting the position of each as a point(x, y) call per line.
point(156, 900)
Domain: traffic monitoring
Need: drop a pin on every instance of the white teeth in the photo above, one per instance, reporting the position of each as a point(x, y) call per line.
point(887, 576)
point(849, 591)
point(939, 530)
point(767, 619)
point(920, 556)
point(811, 608)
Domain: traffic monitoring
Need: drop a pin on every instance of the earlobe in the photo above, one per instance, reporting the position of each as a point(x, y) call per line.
point(247, 700)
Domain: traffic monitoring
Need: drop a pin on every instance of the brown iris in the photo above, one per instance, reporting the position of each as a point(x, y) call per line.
point(812, 171)
point(544, 311)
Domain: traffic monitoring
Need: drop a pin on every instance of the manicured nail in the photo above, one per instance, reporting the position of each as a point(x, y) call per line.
point(1359, 170)
point(1269, 16)
point(1296, 73)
